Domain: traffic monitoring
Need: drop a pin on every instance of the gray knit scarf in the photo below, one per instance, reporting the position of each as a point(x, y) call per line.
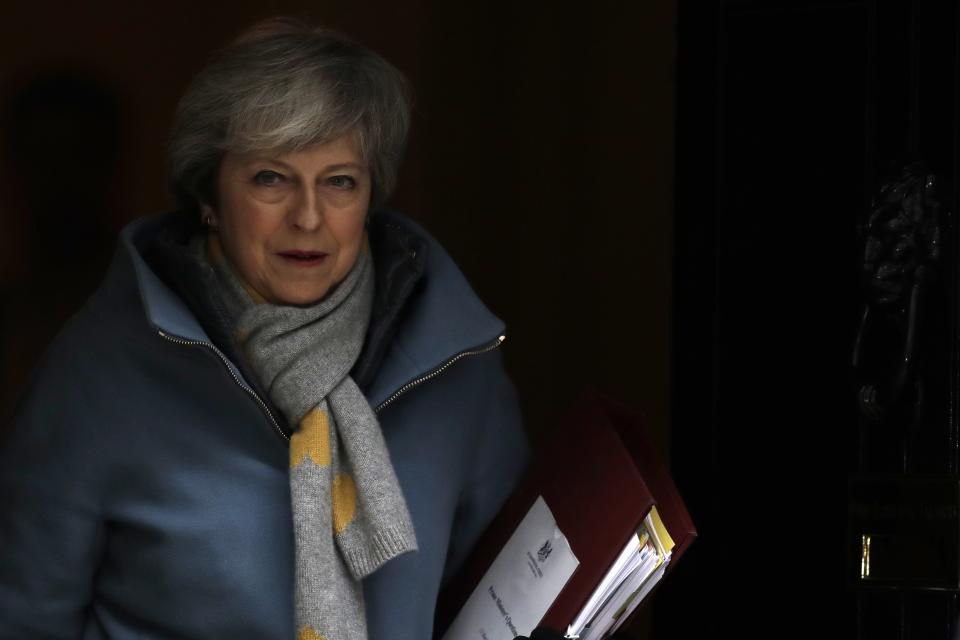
point(349, 514)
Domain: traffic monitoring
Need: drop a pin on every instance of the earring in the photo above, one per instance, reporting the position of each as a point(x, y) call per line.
point(208, 221)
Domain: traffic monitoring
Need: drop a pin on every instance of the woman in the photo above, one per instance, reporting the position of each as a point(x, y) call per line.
point(282, 414)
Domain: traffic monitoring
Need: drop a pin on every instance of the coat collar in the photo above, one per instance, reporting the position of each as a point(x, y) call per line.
point(429, 318)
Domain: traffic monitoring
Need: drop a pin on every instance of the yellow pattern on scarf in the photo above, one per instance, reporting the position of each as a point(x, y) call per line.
point(311, 439)
point(344, 501)
point(309, 634)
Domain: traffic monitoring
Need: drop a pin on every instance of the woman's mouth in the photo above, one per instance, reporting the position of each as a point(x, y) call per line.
point(303, 258)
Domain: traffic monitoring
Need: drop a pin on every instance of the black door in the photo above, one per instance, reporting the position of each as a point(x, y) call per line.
point(798, 467)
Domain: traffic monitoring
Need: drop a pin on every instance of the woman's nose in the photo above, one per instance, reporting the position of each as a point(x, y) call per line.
point(307, 211)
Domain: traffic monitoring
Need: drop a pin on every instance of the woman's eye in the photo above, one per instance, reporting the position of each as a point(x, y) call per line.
point(342, 182)
point(268, 178)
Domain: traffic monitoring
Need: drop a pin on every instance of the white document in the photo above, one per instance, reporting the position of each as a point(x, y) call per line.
point(521, 584)
point(640, 595)
point(605, 618)
point(625, 563)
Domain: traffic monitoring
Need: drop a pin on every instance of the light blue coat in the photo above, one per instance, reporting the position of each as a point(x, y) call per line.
point(144, 489)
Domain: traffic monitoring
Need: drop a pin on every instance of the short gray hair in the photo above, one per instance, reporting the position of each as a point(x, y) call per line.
point(286, 86)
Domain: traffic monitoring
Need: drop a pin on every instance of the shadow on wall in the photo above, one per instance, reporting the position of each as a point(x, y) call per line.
point(60, 149)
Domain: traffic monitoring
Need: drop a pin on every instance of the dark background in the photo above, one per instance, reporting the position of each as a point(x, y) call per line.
point(791, 116)
point(661, 200)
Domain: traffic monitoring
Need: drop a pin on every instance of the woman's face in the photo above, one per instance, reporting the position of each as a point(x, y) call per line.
point(291, 224)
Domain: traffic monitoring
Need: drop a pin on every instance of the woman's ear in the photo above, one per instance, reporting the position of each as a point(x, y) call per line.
point(208, 217)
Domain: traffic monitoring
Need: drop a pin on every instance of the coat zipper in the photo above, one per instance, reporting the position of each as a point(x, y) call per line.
point(236, 378)
point(433, 374)
point(396, 394)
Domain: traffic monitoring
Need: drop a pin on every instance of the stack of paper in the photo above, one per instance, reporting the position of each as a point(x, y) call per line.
point(636, 571)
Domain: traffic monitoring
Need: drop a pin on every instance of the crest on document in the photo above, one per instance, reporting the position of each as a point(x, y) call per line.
point(544, 551)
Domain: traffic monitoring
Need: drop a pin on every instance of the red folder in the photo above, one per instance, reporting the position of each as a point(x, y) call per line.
point(599, 475)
